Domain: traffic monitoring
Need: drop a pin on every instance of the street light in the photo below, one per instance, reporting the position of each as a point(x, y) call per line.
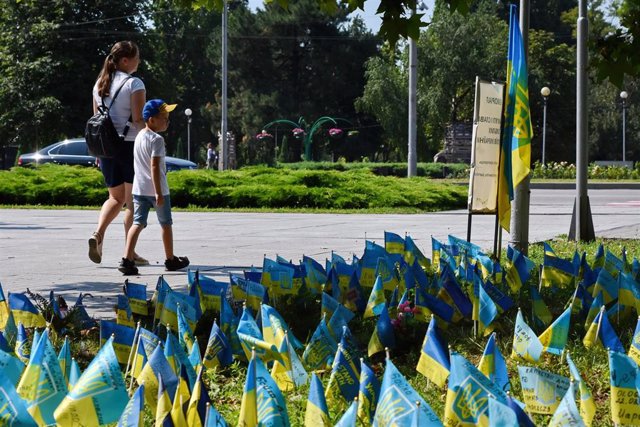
point(188, 113)
point(623, 97)
point(545, 92)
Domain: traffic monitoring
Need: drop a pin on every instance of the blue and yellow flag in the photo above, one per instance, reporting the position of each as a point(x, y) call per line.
point(22, 344)
point(156, 366)
point(515, 160)
point(344, 379)
point(354, 298)
point(42, 385)
point(501, 414)
point(383, 335)
point(625, 409)
point(123, 337)
point(426, 304)
point(133, 412)
point(137, 295)
point(526, 344)
point(64, 357)
point(279, 278)
point(13, 410)
point(25, 312)
point(320, 349)
point(249, 403)
point(393, 243)
point(4, 344)
point(4, 309)
point(542, 390)
point(316, 275)
point(251, 338)
point(99, 396)
point(177, 358)
point(467, 396)
point(567, 412)
point(601, 331)
point(587, 405)
point(274, 327)
point(368, 392)
point(181, 399)
point(248, 290)
point(493, 366)
point(229, 325)
point(208, 289)
point(487, 311)
point(330, 305)
point(11, 366)
point(218, 351)
point(518, 269)
point(124, 316)
point(542, 317)
point(159, 295)
point(397, 402)
point(197, 408)
point(434, 357)
point(175, 301)
point(377, 300)
point(10, 330)
point(350, 416)
point(556, 271)
point(272, 407)
point(195, 357)
point(75, 374)
point(291, 374)
point(412, 254)
point(163, 407)
point(594, 309)
point(317, 413)
point(607, 284)
point(185, 334)
point(554, 339)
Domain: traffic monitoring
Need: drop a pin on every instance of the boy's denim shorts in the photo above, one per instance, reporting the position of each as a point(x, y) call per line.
point(142, 205)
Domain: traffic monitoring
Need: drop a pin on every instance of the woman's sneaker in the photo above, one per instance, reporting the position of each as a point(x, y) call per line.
point(128, 267)
point(95, 248)
point(176, 263)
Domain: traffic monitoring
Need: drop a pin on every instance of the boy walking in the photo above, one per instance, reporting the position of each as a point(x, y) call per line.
point(150, 188)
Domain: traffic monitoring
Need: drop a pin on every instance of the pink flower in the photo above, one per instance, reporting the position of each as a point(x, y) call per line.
point(298, 133)
point(263, 135)
point(335, 133)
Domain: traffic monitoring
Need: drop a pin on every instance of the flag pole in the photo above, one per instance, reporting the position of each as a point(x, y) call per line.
point(133, 351)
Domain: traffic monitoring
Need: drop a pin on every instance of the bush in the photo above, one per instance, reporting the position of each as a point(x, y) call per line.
point(565, 170)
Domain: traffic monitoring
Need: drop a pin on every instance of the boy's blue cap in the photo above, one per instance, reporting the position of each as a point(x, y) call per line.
point(156, 106)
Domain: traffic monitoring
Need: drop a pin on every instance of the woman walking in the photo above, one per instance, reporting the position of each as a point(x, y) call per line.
point(126, 114)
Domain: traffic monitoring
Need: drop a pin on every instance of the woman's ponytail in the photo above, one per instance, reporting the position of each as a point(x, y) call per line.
point(123, 49)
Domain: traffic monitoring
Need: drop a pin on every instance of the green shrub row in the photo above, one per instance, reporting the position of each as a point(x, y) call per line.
point(250, 187)
point(565, 170)
point(429, 170)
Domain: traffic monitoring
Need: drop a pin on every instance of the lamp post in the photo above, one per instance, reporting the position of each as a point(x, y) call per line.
point(188, 113)
point(545, 91)
point(623, 97)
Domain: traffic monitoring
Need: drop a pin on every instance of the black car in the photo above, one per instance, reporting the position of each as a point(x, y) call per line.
point(75, 152)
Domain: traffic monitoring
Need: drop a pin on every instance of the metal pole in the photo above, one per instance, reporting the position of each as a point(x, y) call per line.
point(413, 89)
point(624, 133)
point(519, 234)
point(544, 130)
point(582, 220)
point(189, 138)
point(223, 163)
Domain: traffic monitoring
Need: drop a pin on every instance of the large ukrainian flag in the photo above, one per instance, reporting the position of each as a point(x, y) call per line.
point(515, 159)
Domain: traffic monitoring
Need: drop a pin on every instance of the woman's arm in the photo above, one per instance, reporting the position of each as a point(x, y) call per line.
point(138, 99)
point(95, 105)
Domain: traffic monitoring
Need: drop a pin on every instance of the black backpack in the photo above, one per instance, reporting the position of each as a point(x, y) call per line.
point(101, 135)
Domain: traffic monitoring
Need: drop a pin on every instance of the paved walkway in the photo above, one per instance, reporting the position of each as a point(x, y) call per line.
point(46, 250)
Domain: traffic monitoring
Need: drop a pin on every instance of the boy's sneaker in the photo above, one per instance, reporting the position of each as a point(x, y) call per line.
point(128, 267)
point(176, 263)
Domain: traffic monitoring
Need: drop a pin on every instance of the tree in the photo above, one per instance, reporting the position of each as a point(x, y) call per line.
point(50, 54)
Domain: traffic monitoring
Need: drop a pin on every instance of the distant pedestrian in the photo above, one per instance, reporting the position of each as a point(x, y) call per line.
point(212, 157)
point(150, 187)
point(126, 114)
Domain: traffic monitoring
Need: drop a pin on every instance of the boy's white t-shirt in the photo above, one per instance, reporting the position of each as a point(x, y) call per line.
point(148, 144)
point(121, 109)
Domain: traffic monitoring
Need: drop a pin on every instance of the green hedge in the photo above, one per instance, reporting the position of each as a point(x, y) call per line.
point(251, 187)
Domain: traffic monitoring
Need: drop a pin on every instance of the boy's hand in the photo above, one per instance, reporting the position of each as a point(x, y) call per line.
point(159, 200)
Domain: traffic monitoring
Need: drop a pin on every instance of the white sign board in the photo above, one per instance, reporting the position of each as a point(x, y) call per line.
point(485, 147)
